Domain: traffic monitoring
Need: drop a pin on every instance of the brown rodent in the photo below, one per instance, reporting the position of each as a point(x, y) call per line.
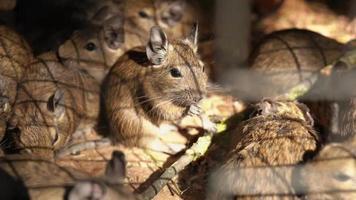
point(285, 58)
point(57, 96)
point(175, 17)
point(330, 175)
point(97, 47)
point(263, 148)
point(163, 82)
point(54, 100)
point(29, 177)
point(15, 56)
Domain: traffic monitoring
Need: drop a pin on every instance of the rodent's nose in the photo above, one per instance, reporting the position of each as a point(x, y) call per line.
point(197, 98)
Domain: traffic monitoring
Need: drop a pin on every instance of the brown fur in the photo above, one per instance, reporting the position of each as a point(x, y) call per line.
point(331, 175)
point(97, 47)
point(15, 56)
point(337, 116)
point(137, 27)
point(41, 130)
point(139, 96)
point(285, 58)
point(23, 176)
point(264, 148)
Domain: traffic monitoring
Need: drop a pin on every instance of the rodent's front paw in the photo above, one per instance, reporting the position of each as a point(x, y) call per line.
point(166, 128)
point(194, 110)
point(209, 125)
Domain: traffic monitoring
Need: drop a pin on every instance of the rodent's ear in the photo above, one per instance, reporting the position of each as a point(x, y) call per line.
point(115, 171)
point(193, 37)
point(157, 47)
point(55, 103)
point(114, 32)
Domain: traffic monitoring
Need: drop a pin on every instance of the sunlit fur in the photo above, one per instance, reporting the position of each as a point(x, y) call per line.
point(263, 151)
point(138, 95)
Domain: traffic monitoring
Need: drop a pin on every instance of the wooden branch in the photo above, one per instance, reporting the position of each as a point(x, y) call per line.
point(197, 150)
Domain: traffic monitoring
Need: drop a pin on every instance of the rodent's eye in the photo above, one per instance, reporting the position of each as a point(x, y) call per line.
point(143, 14)
point(175, 73)
point(342, 177)
point(90, 46)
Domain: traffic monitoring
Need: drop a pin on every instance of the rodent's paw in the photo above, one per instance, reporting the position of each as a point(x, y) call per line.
point(194, 110)
point(209, 125)
point(166, 128)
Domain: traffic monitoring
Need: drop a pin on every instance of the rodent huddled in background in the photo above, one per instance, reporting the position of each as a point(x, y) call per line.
point(283, 59)
point(152, 84)
point(59, 93)
point(330, 175)
point(96, 47)
point(29, 177)
point(15, 56)
point(263, 147)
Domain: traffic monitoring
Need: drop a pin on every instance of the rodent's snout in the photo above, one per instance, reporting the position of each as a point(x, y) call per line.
point(197, 98)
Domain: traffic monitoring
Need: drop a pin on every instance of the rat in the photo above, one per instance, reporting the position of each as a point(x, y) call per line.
point(163, 81)
point(29, 177)
point(280, 134)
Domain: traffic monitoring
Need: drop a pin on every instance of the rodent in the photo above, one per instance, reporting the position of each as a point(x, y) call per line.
point(163, 81)
point(174, 17)
point(285, 58)
point(280, 135)
point(29, 177)
point(95, 48)
point(330, 175)
point(15, 56)
point(53, 101)
point(60, 92)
